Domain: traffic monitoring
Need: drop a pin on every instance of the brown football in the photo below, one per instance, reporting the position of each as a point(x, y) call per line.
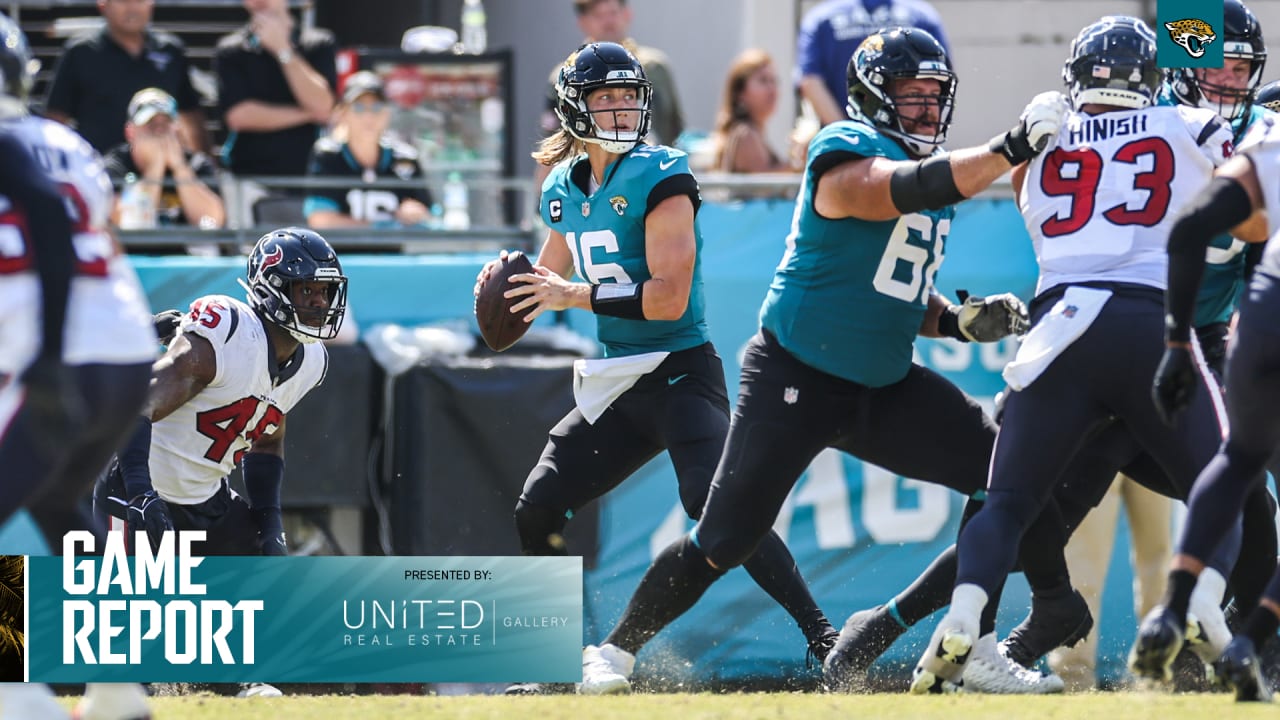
point(500, 327)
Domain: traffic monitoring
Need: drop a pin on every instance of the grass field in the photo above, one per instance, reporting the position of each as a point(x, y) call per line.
point(707, 706)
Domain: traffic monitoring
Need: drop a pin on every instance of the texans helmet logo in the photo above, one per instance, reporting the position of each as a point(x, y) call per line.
point(272, 259)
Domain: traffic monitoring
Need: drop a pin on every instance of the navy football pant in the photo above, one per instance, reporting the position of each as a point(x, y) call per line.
point(1105, 373)
point(50, 483)
point(1253, 396)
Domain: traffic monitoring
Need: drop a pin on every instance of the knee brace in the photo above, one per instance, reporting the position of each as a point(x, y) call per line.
point(540, 529)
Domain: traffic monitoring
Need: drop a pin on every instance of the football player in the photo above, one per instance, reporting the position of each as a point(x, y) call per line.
point(1062, 617)
point(219, 398)
point(621, 215)
point(75, 341)
point(1098, 205)
point(1234, 202)
point(832, 365)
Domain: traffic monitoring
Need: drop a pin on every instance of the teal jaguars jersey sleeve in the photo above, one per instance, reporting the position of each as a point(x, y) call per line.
point(1225, 259)
point(605, 233)
point(849, 295)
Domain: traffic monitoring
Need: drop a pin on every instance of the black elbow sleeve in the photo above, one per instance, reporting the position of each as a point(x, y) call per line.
point(926, 185)
point(1223, 205)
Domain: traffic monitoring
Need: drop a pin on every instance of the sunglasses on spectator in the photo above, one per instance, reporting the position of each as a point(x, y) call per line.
point(369, 107)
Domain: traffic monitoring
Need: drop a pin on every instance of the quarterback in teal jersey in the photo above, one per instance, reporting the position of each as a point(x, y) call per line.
point(832, 366)
point(621, 215)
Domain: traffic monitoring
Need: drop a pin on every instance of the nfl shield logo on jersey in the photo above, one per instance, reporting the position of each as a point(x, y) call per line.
point(790, 395)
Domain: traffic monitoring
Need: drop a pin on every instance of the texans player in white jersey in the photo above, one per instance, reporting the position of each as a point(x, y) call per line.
point(76, 342)
point(1242, 199)
point(1098, 205)
point(219, 397)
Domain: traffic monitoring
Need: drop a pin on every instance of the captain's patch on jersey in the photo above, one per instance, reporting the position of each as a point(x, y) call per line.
point(556, 208)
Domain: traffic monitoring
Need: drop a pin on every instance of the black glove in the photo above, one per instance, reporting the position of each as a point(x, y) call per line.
point(53, 402)
point(1174, 384)
point(166, 325)
point(151, 513)
point(988, 319)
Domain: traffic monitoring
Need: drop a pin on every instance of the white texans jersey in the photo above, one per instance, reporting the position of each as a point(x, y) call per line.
point(1262, 145)
point(108, 318)
point(1100, 200)
point(201, 442)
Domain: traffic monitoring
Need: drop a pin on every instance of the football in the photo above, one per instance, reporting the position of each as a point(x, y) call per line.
point(499, 327)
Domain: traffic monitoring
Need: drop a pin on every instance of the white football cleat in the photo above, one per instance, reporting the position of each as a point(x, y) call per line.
point(941, 668)
point(22, 701)
point(606, 670)
point(989, 671)
point(1207, 634)
point(254, 690)
point(113, 701)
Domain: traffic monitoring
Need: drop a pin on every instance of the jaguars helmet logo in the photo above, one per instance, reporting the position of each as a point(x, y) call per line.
point(619, 204)
point(1193, 35)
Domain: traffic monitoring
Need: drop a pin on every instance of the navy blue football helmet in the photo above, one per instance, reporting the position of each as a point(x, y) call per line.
point(896, 54)
point(1269, 96)
point(287, 256)
point(1242, 40)
point(1113, 62)
point(17, 66)
point(594, 66)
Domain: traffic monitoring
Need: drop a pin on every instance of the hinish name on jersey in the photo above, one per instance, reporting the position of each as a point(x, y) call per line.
point(1099, 128)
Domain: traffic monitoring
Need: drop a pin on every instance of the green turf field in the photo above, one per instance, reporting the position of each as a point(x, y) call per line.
point(706, 706)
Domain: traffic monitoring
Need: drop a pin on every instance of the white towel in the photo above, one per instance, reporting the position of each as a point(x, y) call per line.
point(1065, 322)
point(597, 383)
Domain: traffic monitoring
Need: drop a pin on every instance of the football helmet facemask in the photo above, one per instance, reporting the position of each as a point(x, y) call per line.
point(1113, 62)
point(896, 54)
point(594, 66)
point(1242, 40)
point(292, 255)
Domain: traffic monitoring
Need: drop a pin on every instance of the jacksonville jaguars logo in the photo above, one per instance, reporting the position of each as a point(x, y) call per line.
point(1192, 34)
point(619, 204)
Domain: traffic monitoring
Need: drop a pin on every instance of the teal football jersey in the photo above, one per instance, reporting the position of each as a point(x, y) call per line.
point(1225, 260)
point(849, 295)
point(605, 234)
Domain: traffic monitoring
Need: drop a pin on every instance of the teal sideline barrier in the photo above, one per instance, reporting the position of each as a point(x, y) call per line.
point(858, 533)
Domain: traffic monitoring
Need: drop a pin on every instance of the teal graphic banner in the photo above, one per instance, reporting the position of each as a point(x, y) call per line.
point(305, 619)
point(1189, 33)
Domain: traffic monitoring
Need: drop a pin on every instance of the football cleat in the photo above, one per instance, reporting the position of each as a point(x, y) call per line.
point(532, 688)
point(1160, 638)
point(606, 670)
point(988, 671)
point(865, 637)
point(820, 643)
point(1240, 669)
point(941, 669)
point(256, 690)
point(1052, 623)
point(113, 701)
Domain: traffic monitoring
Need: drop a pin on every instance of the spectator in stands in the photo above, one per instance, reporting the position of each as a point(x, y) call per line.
point(177, 178)
point(359, 147)
point(831, 31)
point(609, 21)
point(750, 98)
point(99, 72)
point(275, 90)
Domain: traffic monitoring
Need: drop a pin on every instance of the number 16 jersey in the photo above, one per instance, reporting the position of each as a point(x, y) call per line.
point(201, 442)
point(1100, 200)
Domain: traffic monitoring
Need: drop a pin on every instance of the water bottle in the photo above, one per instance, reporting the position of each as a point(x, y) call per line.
point(456, 214)
point(474, 36)
point(137, 209)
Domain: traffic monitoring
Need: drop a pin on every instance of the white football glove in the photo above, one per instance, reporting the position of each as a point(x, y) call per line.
point(1039, 122)
point(1042, 118)
point(988, 319)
